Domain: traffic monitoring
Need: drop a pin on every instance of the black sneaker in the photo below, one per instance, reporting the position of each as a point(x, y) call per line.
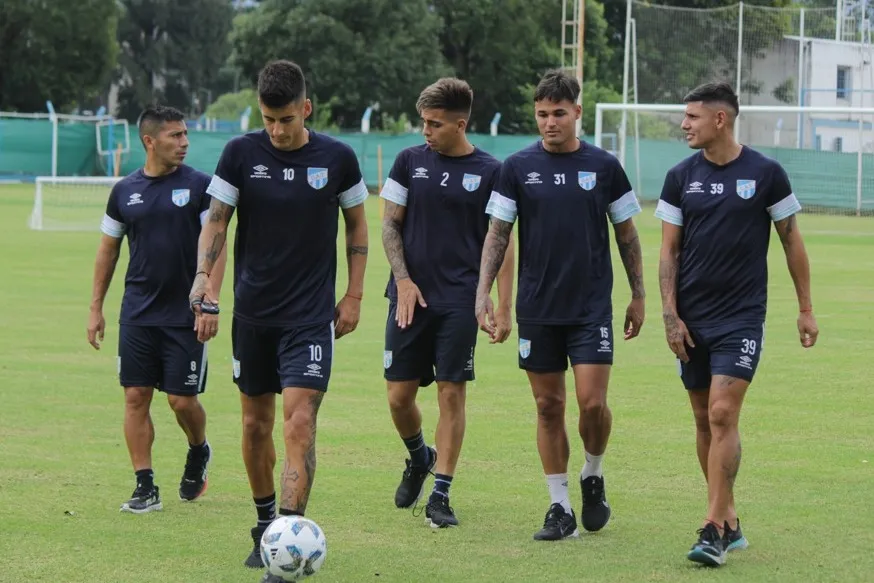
point(734, 540)
point(596, 511)
point(194, 479)
point(254, 560)
point(438, 513)
point(413, 482)
point(143, 500)
point(710, 548)
point(559, 524)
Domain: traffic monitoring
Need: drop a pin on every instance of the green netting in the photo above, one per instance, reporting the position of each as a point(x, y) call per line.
point(826, 179)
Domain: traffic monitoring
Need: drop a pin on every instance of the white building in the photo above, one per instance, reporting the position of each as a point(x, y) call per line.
point(833, 74)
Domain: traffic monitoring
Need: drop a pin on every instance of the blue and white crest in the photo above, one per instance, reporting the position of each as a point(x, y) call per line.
point(470, 182)
point(181, 196)
point(746, 189)
point(524, 348)
point(587, 180)
point(386, 359)
point(317, 177)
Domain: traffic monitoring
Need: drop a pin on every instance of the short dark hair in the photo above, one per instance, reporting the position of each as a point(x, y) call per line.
point(718, 92)
point(556, 85)
point(280, 83)
point(154, 116)
point(449, 94)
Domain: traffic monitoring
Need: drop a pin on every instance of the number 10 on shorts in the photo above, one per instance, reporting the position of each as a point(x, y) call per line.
point(315, 352)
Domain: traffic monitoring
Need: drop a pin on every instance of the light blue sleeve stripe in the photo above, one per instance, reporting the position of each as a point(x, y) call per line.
point(354, 196)
point(502, 208)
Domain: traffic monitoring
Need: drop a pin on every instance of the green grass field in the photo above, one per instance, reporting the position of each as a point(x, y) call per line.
point(805, 491)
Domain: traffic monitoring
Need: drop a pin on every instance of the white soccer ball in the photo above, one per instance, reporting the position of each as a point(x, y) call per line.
point(293, 548)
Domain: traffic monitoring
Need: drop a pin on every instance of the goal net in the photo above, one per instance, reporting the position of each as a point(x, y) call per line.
point(826, 151)
point(73, 203)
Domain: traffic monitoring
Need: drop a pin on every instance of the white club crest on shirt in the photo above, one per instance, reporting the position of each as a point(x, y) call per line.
point(746, 189)
point(181, 196)
point(471, 182)
point(317, 177)
point(587, 180)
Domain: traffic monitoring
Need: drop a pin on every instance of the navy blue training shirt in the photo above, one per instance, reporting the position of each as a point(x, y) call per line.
point(726, 214)
point(563, 202)
point(161, 217)
point(445, 224)
point(288, 205)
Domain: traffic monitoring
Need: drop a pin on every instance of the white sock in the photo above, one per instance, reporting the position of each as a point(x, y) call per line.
point(592, 467)
point(558, 493)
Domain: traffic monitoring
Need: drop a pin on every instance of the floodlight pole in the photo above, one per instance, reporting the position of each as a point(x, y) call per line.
point(581, 11)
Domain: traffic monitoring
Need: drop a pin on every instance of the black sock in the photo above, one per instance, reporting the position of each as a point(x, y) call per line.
point(442, 482)
point(198, 449)
point(145, 479)
point(266, 508)
point(420, 455)
point(287, 512)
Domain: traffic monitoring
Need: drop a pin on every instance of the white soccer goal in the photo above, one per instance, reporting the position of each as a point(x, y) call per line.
point(73, 203)
point(832, 172)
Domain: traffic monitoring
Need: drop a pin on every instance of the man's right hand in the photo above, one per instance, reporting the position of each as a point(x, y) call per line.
point(96, 328)
point(198, 292)
point(678, 336)
point(408, 296)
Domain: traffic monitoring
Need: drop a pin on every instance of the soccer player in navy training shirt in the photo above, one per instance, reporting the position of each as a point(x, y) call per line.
point(434, 226)
point(159, 208)
point(288, 184)
point(716, 208)
point(563, 191)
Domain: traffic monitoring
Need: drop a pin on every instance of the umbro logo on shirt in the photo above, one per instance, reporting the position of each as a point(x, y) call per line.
point(533, 178)
point(420, 173)
point(260, 171)
point(135, 198)
point(695, 188)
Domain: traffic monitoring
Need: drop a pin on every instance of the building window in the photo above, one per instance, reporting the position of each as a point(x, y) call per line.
point(839, 144)
point(843, 83)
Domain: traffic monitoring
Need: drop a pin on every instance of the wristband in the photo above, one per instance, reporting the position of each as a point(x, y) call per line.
point(806, 310)
point(353, 297)
point(203, 272)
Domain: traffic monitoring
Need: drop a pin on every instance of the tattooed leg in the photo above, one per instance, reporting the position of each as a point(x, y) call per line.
point(301, 408)
point(723, 462)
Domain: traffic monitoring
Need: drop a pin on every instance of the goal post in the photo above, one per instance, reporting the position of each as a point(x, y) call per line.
point(70, 203)
point(831, 173)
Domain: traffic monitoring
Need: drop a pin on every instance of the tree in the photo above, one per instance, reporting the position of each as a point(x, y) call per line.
point(172, 51)
point(358, 52)
point(503, 48)
point(58, 51)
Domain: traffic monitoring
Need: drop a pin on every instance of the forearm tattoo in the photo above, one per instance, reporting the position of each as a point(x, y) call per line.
point(393, 240)
point(494, 250)
point(668, 269)
point(632, 259)
point(356, 250)
point(219, 216)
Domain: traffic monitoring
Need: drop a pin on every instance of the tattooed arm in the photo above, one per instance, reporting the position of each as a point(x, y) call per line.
point(669, 268)
point(799, 269)
point(392, 238)
point(348, 311)
point(796, 259)
point(356, 248)
point(210, 248)
point(409, 294)
point(494, 252)
point(629, 250)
